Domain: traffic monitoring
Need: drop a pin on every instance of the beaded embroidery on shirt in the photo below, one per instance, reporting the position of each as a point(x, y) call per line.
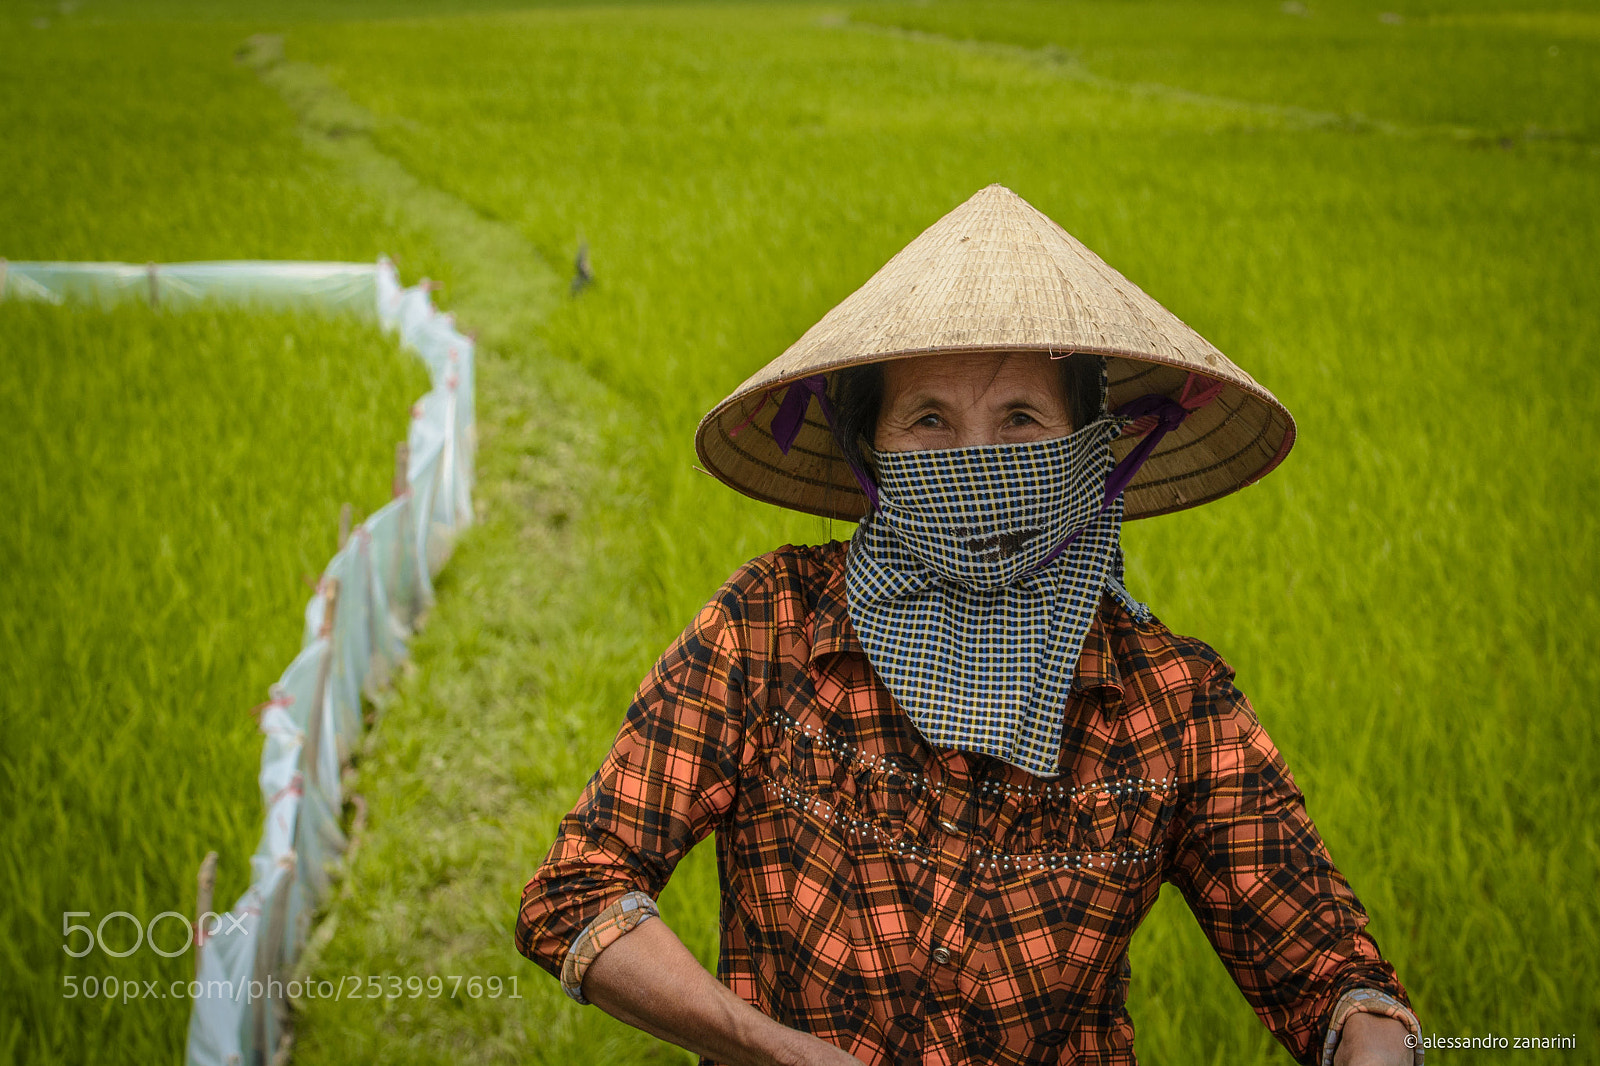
point(985, 858)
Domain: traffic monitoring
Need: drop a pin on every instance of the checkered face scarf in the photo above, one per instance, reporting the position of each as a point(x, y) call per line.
point(968, 607)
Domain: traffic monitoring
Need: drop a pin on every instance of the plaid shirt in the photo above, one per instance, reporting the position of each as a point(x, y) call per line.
point(912, 904)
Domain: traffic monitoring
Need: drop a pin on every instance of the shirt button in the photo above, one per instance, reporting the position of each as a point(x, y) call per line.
point(941, 956)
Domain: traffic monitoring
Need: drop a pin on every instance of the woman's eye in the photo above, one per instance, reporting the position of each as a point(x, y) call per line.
point(931, 421)
point(1019, 418)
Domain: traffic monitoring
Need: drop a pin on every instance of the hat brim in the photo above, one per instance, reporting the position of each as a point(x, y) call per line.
point(997, 275)
point(1233, 441)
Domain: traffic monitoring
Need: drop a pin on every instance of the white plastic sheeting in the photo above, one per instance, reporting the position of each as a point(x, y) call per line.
point(330, 286)
point(357, 625)
point(356, 631)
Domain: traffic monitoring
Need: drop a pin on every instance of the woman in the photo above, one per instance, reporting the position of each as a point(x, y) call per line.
point(950, 765)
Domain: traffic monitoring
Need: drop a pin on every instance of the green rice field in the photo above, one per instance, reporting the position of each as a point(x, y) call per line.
point(174, 483)
point(1386, 212)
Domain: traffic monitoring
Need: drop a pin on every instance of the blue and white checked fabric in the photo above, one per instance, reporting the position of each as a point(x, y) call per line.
point(973, 637)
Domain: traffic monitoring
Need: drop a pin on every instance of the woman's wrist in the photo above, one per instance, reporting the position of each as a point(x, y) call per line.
point(790, 1047)
point(1373, 1040)
point(649, 980)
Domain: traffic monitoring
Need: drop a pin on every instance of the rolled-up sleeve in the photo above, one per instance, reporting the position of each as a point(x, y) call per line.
point(668, 781)
point(1259, 879)
point(1370, 1001)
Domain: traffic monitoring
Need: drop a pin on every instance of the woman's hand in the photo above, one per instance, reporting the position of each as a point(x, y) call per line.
point(1373, 1040)
point(648, 979)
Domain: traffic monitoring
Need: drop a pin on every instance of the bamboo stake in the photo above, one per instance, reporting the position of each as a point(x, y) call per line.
point(402, 467)
point(206, 887)
point(285, 1046)
point(332, 594)
point(313, 747)
point(269, 955)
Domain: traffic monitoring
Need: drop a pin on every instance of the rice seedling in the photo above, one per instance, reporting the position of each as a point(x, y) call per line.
point(175, 481)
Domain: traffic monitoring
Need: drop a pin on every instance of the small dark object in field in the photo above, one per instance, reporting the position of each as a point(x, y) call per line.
point(582, 274)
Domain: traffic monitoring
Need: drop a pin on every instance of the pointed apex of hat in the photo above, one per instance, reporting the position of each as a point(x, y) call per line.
point(997, 274)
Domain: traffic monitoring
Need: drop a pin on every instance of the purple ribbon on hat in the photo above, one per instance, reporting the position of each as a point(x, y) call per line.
point(792, 414)
point(1169, 415)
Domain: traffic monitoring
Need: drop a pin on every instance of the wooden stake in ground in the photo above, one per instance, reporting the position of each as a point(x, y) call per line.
point(202, 906)
point(313, 744)
point(402, 467)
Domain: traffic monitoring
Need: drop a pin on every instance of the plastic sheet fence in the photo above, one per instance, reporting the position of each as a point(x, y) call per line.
point(357, 625)
point(331, 286)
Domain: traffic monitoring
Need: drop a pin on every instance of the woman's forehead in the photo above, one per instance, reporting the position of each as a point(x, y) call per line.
point(965, 377)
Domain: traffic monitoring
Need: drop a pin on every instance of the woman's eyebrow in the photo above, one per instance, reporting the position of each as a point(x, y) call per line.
point(1025, 403)
point(918, 399)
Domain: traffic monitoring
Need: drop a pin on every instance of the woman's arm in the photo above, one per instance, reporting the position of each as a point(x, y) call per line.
point(588, 915)
point(648, 979)
point(1259, 879)
point(668, 781)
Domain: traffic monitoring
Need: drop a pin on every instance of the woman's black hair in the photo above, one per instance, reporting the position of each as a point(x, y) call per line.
point(857, 395)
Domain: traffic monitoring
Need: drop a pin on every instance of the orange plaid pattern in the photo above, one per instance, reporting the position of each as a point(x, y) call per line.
point(920, 905)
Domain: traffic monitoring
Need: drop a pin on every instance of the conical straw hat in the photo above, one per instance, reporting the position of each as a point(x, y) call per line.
point(996, 275)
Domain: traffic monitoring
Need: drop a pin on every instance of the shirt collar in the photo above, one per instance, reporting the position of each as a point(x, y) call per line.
point(1097, 662)
point(832, 632)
